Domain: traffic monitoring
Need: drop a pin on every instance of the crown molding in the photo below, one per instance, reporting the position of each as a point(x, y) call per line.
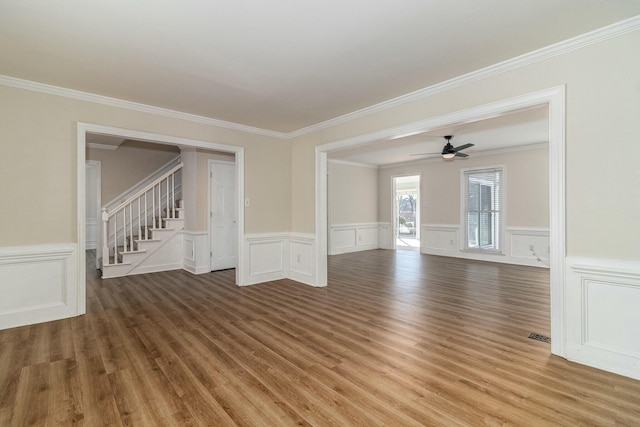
point(596, 36)
point(130, 105)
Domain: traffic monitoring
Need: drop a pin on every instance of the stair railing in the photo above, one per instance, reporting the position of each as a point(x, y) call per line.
point(137, 213)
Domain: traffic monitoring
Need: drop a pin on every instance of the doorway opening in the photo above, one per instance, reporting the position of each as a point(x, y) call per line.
point(554, 98)
point(406, 212)
point(83, 129)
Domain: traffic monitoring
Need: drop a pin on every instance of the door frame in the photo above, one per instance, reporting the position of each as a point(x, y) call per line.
point(210, 165)
point(394, 208)
point(555, 99)
point(97, 164)
point(81, 152)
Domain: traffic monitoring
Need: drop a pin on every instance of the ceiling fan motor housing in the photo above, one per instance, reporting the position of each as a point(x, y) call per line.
point(448, 149)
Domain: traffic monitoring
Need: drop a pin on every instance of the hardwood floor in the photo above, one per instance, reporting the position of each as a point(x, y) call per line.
point(397, 339)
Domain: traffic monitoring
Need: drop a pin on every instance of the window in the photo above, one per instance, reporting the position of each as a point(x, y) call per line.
point(483, 209)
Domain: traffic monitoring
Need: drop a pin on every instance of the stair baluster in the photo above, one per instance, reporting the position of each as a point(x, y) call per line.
point(146, 226)
point(130, 227)
point(115, 239)
point(128, 218)
point(173, 195)
point(124, 231)
point(139, 219)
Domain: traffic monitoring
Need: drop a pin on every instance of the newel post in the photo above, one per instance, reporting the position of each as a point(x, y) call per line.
point(105, 241)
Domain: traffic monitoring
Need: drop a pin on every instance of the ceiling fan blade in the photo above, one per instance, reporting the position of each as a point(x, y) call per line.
point(423, 154)
point(462, 147)
point(461, 155)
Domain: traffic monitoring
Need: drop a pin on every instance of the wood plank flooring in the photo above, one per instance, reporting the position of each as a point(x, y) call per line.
point(396, 339)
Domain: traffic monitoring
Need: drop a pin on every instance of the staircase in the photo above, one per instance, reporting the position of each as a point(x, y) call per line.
point(137, 235)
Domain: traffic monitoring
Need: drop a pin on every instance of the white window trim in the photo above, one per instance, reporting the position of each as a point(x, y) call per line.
point(463, 219)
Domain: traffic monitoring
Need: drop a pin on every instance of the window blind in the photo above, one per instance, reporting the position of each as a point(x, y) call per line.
point(483, 209)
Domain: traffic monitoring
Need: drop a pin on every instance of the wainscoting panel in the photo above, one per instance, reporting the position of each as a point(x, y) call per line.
point(301, 258)
point(368, 236)
point(346, 238)
point(603, 315)
point(385, 239)
point(448, 240)
point(439, 239)
point(343, 240)
point(280, 256)
point(38, 284)
point(522, 242)
point(196, 257)
point(266, 257)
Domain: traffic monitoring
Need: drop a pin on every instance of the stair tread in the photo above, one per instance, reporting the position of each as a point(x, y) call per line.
point(137, 251)
point(111, 264)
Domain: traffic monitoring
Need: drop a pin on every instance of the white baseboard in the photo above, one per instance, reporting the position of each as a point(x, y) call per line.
point(603, 315)
point(447, 240)
point(196, 259)
point(38, 284)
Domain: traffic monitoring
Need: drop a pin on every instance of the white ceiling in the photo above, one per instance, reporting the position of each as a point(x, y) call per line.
point(279, 65)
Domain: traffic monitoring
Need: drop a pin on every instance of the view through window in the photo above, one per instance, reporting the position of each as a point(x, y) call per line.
point(483, 209)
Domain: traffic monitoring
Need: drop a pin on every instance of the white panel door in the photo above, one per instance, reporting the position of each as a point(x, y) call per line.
point(223, 215)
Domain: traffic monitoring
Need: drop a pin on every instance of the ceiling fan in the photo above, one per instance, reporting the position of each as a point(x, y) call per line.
point(449, 151)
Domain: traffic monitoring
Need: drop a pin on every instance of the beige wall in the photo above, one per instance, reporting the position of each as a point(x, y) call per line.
point(38, 164)
point(352, 193)
point(129, 164)
point(526, 184)
point(602, 88)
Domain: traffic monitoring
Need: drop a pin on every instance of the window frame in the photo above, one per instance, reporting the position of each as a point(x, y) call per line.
point(464, 211)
